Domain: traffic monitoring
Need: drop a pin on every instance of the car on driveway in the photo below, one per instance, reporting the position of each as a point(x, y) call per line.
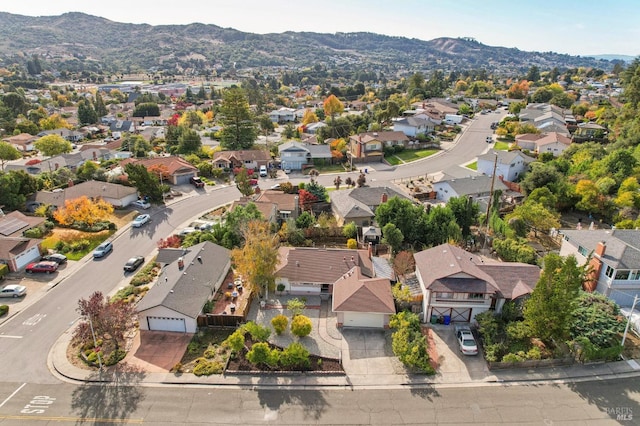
point(141, 204)
point(55, 257)
point(13, 290)
point(196, 181)
point(46, 266)
point(466, 341)
point(140, 220)
point(133, 263)
point(102, 250)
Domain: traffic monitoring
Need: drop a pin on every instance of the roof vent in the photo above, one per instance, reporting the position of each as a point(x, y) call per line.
point(297, 263)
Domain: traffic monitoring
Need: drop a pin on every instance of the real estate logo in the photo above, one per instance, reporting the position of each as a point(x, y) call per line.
point(621, 413)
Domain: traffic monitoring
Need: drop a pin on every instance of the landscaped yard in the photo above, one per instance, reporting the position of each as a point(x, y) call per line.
point(409, 155)
point(501, 146)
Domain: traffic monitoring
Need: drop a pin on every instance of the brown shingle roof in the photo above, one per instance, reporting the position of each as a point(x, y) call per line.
point(353, 292)
point(283, 200)
point(322, 266)
point(173, 164)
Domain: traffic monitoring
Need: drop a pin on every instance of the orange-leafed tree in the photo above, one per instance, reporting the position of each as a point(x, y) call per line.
point(83, 210)
point(518, 90)
point(306, 199)
point(309, 117)
point(332, 106)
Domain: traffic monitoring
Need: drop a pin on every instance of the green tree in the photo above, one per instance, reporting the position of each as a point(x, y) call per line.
point(549, 312)
point(138, 145)
point(279, 323)
point(86, 113)
point(305, 220)
point(8, 153)
point(535, 216)
point(87, 170)
point(147, 184)
point(466, 212)
point(101, 109)
point(296, 306)
point(189, 142)
point(258, 258)
point(262, 354)
point(15, 187)
point(243, 182)
point(392, 236)
point(147, 109)
point(239, 131)
point(350, 230)
point(405, 215)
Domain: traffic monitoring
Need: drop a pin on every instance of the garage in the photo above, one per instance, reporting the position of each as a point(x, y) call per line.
point(362, 319)
point(166, 324)
point(24, 258)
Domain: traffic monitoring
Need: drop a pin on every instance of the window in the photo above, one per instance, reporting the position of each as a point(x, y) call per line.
point(475, 296)
point(583, 251)
point(609, 271)
point(440, 295)
point(635, 275)
point(622, 275)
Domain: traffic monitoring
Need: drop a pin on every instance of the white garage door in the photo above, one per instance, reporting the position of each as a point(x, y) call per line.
point(352, 319)
point(31, 255)
point(166, 324)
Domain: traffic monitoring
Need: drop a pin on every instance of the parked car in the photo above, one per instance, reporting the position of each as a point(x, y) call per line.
point(253, 182)
point(13, 290)
point(141, 204)
point(186, 231)
point(133, 263)
point(102, 250)
point(196, 181)
point(263, 171)
point(140, 220)
point(466, 341)
point(489, 139)
point(59, 258)
point(47, 266)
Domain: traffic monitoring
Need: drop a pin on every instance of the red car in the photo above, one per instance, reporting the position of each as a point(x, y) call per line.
point(46, 267)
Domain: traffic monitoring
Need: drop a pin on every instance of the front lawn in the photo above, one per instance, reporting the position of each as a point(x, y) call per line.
point(409, 155)
point(73, 243)
point(501, 146)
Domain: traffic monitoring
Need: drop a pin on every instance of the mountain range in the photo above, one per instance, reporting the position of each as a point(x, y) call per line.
point(77, 42)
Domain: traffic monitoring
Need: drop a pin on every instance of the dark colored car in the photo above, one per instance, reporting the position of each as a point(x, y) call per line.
point(133, 263)
point(56, 257)
point(46, 266)
point(197, 182)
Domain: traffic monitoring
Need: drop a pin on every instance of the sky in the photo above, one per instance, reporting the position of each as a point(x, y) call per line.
point(574, 27)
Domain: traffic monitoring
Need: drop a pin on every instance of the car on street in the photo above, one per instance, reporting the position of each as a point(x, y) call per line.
point(59, 258)
point(489, 139)
point(46, 266)
point(466, 341)
point(133, 263)
point(141, 204)
point(196, 181)
point(13, 290)
point(276, 186)
point(253, 182)
point(140, 220)
point(102, 250)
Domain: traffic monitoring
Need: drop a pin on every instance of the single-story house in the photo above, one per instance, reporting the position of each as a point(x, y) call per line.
point(413, 126)
point(175, 169)
point(508, 164)
point(189, 278)
point(359, 205)
point(69, 135)
point(474, 186)
point(18, 252)
point(457, 285)
point(22, 142)
point(614, 259)
point(553, 142)
point(249, 158)
point(113, 193)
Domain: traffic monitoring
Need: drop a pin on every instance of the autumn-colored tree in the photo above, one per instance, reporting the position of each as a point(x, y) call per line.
point(306, 199)
point(404, 263)
point(54, 121)
point(172, 241)
point(332, 106)
point(309, 117)
point(83, 210)
point(243, 182)
point(518, 90)
point(257, 260)
point(109, 320)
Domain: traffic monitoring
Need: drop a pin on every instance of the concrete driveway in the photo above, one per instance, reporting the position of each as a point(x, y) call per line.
point(451, 361)
point(367, 352)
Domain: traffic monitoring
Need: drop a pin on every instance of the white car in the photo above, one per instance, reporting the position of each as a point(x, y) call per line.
point(140, 220)
point(141, 204)
point(13, 290)
point(466, 341)
point(263, 171)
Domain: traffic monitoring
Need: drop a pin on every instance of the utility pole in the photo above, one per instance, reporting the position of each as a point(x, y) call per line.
point(493, 181)
point(626, 329)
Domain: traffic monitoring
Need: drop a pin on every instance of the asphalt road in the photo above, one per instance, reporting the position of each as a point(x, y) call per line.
point(26, 338)
point(596, 403)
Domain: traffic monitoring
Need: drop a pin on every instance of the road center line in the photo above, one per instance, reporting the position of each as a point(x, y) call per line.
point(13, 394)
point(10, 337)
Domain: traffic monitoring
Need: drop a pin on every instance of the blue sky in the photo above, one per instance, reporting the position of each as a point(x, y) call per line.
point(575, 27)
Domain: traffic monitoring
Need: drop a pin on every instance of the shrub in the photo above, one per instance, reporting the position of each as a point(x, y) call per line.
point(261, 353)
point(4, 310)
point(296, 306)
point(33, 233)
point(193, 348)
point(235, 341)
point(295, 355)
point(352, 244)
point(257, 332)
point(301, 326)
point(115, 357)
point(4, 270)
point(350, 230)
point(176, 368)
point(210, 353)
point(205, 367)
point(279, 323)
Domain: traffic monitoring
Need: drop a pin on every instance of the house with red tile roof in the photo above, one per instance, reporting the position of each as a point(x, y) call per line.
point(178, 170)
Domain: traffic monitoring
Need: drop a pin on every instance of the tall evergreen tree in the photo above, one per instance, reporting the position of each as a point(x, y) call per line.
point(239, 131)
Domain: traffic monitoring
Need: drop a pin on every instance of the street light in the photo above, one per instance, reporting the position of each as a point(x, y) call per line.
point(626, 329)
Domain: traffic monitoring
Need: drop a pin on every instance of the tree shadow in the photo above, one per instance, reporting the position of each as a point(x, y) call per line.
point(612, 397)
point(313, 402)
point(110, 394)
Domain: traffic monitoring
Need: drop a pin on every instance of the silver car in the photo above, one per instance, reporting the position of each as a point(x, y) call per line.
point(13, 290)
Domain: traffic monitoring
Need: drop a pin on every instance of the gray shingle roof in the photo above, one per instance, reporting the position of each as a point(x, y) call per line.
point(186, 290)
point(622, 245)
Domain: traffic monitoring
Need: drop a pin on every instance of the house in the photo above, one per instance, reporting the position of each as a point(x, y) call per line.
point(175, 170)
point(287, 206)
point(114, 194)
point(295, 155)
point(16, 250)
point(369, 146)
point(283, 115)
point(457, 285)
point(473, 186)
point(122, 126)
point(362, 301)
point(414, 126)
point(249, 158)
point(613, 257)
point(312, 128)
point(22, 142)
point(69, 135)
point(359, 205)
point(553, 142)
point(189, 278)
point(589, 132)
point(508, 164)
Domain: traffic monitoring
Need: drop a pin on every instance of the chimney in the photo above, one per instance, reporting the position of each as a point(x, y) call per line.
point(383, 198)
point(180, 263)
point(370, 249)
point(600, 248)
